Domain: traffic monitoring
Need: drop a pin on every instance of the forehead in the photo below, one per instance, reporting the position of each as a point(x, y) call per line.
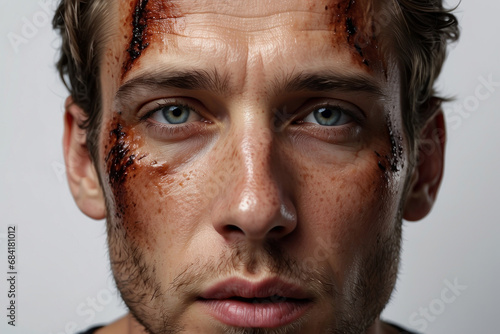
point(257, 35)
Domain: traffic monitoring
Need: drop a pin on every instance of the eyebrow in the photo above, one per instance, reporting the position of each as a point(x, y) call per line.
point(161, 80)
point(331, 81)
point(326, 81)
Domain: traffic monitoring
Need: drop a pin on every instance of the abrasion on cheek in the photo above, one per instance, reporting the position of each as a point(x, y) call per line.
point(121, 161)
point(149, 19)
point(397, 156)
point(353, 22)
point(393, 161)
point(139, 184)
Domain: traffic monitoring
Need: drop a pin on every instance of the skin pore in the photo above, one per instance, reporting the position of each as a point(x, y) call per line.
point(250, 141)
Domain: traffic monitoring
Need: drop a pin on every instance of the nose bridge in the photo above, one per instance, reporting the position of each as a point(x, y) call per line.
point(255, 155)
point(256, 194)
point(253, 205)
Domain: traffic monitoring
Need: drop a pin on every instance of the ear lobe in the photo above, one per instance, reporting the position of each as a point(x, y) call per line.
point(428, 173)
point(82, 176)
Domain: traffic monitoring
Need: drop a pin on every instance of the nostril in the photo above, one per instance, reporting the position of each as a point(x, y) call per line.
point(273, 220)
point(232, 228)
point(277, 230)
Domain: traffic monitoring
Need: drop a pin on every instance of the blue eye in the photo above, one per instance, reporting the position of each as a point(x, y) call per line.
point(329, 116)
point(175, 114)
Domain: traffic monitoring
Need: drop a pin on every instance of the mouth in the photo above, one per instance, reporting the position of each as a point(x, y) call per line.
point(267, 304)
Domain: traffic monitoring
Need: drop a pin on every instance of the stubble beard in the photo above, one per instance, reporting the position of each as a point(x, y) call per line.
point(362, 302)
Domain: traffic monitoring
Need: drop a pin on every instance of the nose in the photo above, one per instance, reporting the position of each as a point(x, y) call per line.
point(255, 204)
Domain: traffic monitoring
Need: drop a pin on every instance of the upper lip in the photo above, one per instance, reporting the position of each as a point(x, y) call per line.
point(240, 288)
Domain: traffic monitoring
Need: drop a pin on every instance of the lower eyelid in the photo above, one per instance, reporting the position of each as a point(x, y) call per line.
point(167, 131)
point(332, 134)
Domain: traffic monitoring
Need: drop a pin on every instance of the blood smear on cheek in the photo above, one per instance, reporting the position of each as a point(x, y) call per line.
point(140, 185)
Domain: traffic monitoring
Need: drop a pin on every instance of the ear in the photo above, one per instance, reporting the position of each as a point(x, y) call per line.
point(82, 176)
point(428, 173)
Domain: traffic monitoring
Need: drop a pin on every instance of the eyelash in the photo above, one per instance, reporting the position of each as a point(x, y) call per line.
point(168, 130)
point(346, 112)
point(334, 134)
point(298, 125)
point(160, 106)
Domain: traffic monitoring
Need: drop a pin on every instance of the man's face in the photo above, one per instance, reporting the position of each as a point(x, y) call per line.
point(253, 161)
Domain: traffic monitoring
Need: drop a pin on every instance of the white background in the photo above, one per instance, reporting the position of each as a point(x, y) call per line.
point(64, 283)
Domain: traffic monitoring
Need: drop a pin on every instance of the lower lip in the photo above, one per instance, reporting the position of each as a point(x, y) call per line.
point(264, 315)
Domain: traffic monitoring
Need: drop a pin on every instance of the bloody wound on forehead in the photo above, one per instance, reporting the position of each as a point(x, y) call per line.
point(147, 18)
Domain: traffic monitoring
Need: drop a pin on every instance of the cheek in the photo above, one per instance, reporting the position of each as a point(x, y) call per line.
point(147, 200)
point(348, 207)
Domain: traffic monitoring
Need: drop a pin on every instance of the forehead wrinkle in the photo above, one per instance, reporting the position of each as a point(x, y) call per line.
point(215, 22)
point(279, 86)
point(237, 14)
point(245, 8)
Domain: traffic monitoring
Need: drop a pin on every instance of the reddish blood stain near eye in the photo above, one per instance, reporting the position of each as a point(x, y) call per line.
point(394, 161)
point(120, 161)
point(119, 158)
point(129, 172)
point(396, 157)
